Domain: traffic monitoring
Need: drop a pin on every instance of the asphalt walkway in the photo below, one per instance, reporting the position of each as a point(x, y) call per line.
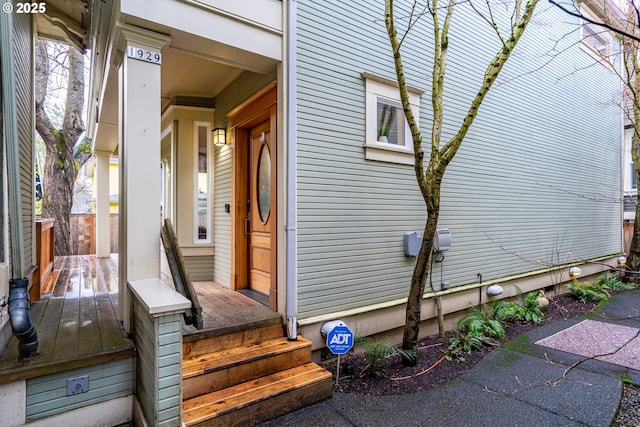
point(519, 384)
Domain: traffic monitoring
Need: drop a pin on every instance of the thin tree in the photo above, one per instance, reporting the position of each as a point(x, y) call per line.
point(65, 154)
point(630, 78)
point(430, 170)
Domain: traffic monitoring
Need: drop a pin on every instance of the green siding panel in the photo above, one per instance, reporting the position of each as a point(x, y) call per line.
point(47, 395)
point(23, 63)
point(159, 341)
point(200, 268)
point(545, 144)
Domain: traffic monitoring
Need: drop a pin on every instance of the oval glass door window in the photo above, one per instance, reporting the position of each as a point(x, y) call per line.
point(264, 183)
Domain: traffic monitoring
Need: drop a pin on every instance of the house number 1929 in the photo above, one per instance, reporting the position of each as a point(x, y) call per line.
point(144, 55)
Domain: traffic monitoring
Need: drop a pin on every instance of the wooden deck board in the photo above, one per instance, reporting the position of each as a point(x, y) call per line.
point(77, 322)
point(227, 311)
point(48, 327)
point(89, 338)
point(66, 345)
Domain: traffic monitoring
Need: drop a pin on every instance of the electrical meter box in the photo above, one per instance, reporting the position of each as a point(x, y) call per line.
point(412, 243)
point(443, 240)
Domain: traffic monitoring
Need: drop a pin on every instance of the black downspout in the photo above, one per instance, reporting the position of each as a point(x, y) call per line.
point(21, 324)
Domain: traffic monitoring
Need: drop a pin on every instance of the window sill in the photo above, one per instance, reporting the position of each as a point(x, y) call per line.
point(388, 153)
point(596, 55)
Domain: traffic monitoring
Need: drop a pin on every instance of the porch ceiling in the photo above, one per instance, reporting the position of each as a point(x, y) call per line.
point(183, 74)
point(67, 21)
point(191, 67)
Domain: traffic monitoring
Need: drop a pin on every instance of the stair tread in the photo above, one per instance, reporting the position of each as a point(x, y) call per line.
point(198, 365)
point(214, 404)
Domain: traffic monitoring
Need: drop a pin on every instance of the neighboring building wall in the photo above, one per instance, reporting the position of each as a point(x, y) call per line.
point(23, 62)
point(238, 91)
point(541, 141)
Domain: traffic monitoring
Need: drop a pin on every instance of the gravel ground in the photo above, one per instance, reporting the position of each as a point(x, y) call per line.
point(629, 413)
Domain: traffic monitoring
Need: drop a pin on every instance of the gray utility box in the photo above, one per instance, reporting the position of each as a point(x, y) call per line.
point(412, 243)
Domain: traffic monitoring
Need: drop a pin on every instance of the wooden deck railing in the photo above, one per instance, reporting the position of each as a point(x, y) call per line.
point(193, 315)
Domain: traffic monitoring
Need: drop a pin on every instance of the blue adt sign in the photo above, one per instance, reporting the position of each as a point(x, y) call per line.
point(340, 340)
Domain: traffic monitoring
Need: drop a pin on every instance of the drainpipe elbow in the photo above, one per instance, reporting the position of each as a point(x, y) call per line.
point(21, 324)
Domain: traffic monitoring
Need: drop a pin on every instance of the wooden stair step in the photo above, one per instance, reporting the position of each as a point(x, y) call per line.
point(211, 341)
point(258, 400)
point(207, 373)
point(206, 363)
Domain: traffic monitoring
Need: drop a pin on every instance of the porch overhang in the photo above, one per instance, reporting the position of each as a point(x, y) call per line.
point(67, 21)
point(212, 42)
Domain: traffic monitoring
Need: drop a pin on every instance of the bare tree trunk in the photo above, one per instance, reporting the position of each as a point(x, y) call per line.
point(633, 258)
point(631, 80)
point(418, 283)
point(63, 158)
point(429, 174)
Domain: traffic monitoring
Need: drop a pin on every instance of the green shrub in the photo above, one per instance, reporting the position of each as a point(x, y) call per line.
point(528, 310)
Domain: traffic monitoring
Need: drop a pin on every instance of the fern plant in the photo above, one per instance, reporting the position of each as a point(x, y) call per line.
point(480, 325)
point(612, 283)
point(460, 344)
point(376, 354)
point(588, 292)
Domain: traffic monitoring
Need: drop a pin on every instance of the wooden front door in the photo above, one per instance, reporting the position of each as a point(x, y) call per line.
point(254, 207)
point(261, 215)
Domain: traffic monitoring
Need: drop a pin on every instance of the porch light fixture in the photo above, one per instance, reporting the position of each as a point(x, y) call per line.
point(622, 261)
point(219, 137)
point(575, 272)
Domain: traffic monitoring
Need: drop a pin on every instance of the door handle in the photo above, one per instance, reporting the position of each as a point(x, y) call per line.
point(247, 222)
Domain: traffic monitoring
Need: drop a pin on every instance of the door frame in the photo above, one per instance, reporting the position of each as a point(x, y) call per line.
point(258, 108)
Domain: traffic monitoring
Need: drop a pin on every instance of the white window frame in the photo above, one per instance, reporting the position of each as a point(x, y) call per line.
point(590, 31)
point(629, 173)
point(379, 88)
point(196, 219)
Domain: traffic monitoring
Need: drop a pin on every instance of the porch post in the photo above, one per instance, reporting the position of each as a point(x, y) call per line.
point(139, 222)
point(103, 229)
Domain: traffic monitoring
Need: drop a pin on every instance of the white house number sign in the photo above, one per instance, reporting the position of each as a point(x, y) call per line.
point(144, 55)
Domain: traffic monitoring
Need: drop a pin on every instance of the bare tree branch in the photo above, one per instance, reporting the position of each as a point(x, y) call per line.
point(594, 22)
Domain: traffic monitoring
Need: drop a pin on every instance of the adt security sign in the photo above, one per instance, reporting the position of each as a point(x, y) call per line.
point(340, 340)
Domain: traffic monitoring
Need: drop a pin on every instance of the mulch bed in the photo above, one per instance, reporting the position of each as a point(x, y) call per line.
point(431, 371)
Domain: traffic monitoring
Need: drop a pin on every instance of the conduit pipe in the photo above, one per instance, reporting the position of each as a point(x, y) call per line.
point(291, 304)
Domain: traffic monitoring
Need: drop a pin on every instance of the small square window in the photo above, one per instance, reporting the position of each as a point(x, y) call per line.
point(391, 122)
point(596, 40)
point(388, 137)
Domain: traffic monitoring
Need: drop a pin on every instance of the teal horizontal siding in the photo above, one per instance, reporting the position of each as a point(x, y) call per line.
point(545, 144)
point(47, 396)
point(200, 268)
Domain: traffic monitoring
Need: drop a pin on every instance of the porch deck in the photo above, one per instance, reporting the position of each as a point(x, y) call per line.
point(77, 324)
point(225, 311)
point(76, 321)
